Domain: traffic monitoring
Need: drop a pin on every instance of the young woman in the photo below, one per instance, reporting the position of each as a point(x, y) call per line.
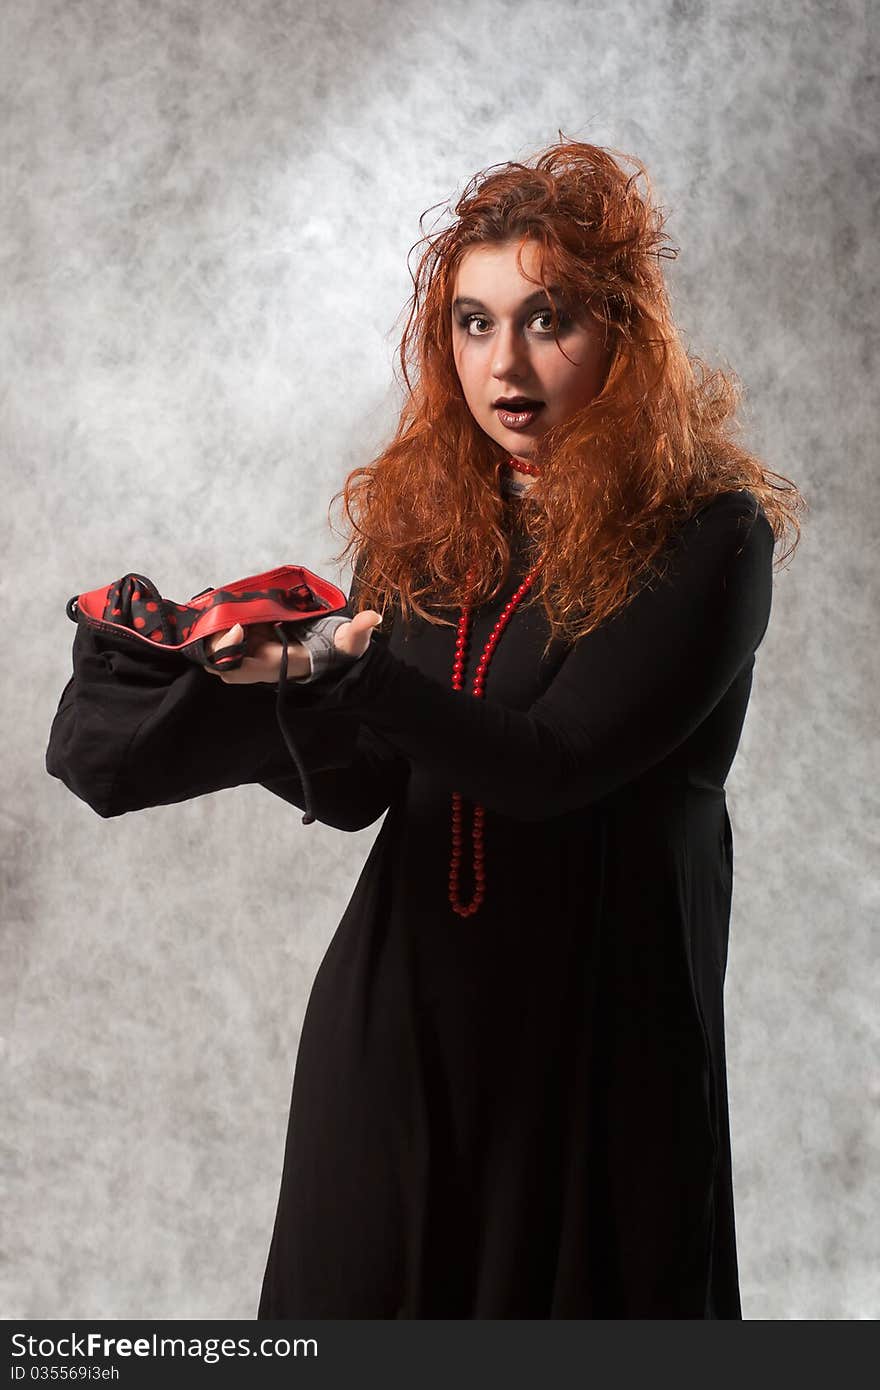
point(510, 1089)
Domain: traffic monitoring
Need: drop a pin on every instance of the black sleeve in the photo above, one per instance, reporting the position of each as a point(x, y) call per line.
point(352, 796)
point(135, 729)
point(625, 696)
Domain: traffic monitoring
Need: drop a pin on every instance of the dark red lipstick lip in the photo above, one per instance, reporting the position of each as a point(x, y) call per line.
point(524, 404)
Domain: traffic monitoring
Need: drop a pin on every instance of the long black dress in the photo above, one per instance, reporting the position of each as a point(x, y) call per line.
point(522, 1113)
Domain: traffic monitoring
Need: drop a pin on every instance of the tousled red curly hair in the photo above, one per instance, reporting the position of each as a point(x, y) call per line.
point(617, 479)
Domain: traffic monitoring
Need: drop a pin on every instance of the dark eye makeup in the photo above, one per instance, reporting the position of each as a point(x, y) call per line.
point(465, 320)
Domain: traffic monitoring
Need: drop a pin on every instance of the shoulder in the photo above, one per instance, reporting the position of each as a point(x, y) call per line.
point(729, 524)
point(724, 546)
point(738, 508)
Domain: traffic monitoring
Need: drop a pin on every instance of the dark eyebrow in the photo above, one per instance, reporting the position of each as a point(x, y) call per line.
point(539, 297)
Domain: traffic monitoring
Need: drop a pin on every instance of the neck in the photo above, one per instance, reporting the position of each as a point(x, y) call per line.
point(521, 477)
point(522, 471)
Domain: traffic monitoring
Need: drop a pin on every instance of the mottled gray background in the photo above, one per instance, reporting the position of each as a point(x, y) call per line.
point(207, 210)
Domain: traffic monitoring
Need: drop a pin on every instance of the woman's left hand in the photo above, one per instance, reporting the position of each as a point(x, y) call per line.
point(263, 651)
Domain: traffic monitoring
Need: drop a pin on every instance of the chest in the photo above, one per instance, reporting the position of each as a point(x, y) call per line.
point(518, 671)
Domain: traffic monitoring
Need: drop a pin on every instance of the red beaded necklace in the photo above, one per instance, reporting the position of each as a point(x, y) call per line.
point(461, 646)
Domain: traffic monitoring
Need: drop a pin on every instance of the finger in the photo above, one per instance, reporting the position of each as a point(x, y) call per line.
point(229, 638)
point(265, 668)
point(247, 673)
point(216, 641)
point(355, 636)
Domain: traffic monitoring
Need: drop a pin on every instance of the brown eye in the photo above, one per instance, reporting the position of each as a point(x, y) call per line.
point(562, 319)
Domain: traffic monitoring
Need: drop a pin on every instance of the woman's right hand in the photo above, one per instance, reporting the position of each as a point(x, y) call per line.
point(262, 658)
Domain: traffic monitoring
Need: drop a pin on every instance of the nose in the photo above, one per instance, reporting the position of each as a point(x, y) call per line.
point(509, 356)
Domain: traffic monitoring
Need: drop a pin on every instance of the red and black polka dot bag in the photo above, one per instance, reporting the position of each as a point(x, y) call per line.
point(290, 598)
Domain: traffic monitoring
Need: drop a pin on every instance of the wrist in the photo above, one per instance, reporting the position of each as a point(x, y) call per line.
point(317, 653)
point(299, 665)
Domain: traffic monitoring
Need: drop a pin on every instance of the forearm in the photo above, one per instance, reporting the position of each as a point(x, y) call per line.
point(626, 697)
point(505, 759)
point(352, 797)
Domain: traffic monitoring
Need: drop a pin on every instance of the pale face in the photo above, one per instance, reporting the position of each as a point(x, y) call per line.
point(503, 346)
